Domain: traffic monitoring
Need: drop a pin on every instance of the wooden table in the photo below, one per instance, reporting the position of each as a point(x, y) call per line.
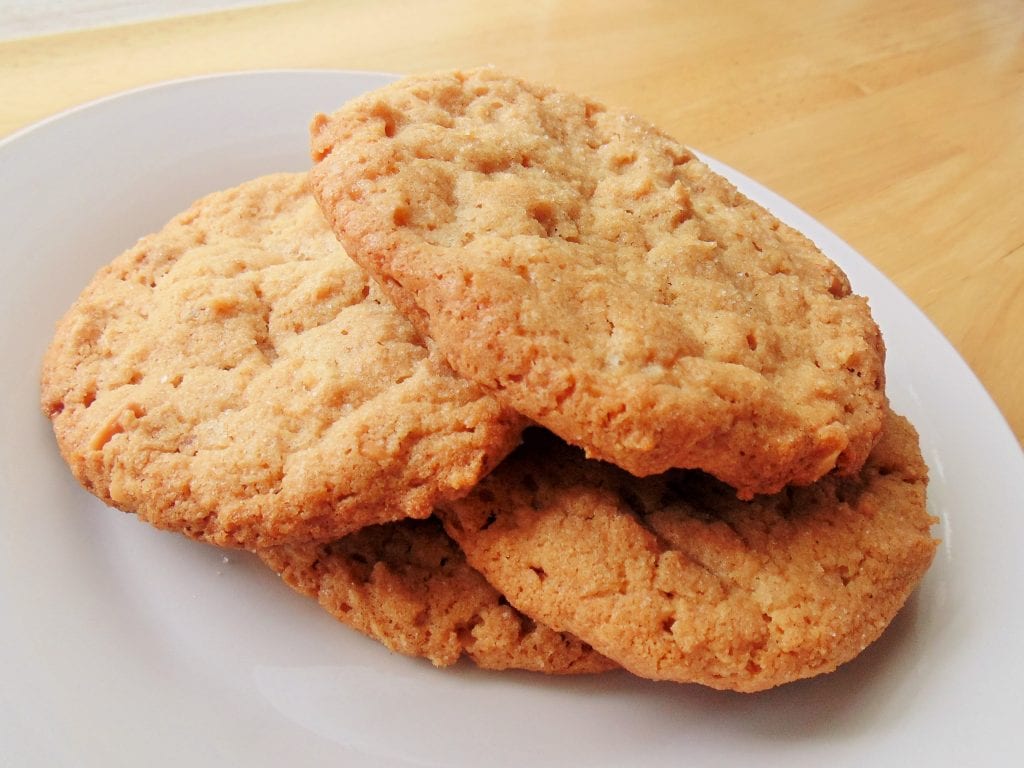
point(900, 125)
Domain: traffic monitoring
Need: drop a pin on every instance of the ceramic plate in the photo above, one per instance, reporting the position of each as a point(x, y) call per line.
point(123, 645)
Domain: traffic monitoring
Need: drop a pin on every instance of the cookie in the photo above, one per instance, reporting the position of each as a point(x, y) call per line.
point(236, 377)
point(600, 279)
point(675, 579)
point(407, 585)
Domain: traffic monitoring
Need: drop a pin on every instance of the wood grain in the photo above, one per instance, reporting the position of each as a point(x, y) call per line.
point(899, 124)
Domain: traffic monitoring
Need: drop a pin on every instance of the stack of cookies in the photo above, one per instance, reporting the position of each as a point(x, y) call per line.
point(512, 376)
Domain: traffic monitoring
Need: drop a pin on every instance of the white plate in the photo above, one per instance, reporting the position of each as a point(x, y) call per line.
point(123, 645)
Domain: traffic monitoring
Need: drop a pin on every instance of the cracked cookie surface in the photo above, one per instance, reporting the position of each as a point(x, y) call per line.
point(675, 579)
point(600, 279)
point(408, 585)
point(236, 377)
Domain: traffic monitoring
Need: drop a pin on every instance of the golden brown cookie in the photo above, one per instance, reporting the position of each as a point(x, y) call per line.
point(236, 377)
point(603, 281)
point(675, 579)
point(407, 585)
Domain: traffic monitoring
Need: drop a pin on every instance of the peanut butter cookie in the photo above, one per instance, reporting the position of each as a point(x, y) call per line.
point(674, 578)
point(600, 279)
point(407, 585)
point(236, 377)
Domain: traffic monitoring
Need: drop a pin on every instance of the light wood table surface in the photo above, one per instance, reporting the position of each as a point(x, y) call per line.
point(899, 124)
